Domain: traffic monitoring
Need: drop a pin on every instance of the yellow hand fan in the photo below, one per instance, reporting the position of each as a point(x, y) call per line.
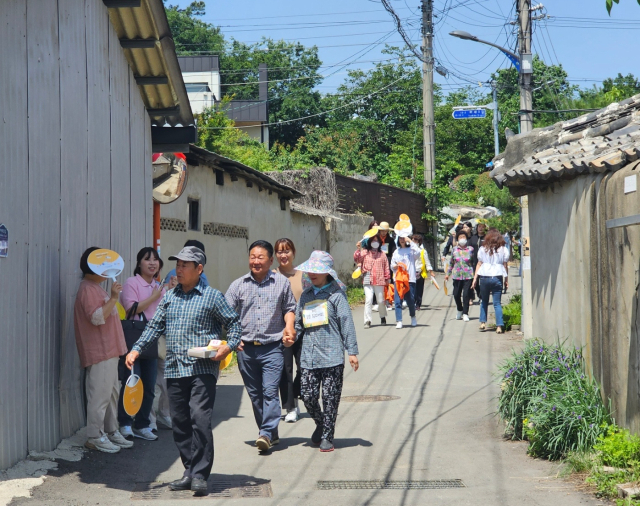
point(357, 273)
point(404, 217)
point(133, 393)
point(227, 360)
point(446, 290)
point(370, 233)
point(105, 263)
point(435, 283)
point(458, 220)
point(122, 314)
point(403, 229)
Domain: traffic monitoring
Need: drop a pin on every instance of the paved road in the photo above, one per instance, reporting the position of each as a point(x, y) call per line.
point(441, 427)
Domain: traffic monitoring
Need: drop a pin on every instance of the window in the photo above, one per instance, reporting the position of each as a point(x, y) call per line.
point(194, 214)
point(197, 87)
point(219, 177)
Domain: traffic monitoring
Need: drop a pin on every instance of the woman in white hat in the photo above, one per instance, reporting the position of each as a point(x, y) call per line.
point(324, 320)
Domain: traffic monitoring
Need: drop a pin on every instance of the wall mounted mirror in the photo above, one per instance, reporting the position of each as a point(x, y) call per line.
point(169, 178)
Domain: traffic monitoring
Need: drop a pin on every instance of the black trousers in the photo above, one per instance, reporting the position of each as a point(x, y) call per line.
point(290, 384)
point(191, 401)
point(461, 294)
point(419, 289)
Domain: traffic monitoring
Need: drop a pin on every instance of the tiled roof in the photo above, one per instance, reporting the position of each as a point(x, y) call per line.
point(604, 140)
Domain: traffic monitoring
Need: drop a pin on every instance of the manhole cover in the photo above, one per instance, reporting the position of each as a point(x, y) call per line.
point(219, 488)
point(389, 485)
point(369, 398)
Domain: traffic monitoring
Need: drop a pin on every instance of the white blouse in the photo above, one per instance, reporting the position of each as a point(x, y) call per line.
point(493, 265)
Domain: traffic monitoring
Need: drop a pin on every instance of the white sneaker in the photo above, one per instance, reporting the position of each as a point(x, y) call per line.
point(164, 421)
point(465, 317)
point(459, 315)
point(117, 439)
point(153, 426)
point(292, 416)
point(404, 304)
point(145, 434)
point(414, 321)
point(375, 308)
point(126, 432)
point(399, 325)
point(102, 444)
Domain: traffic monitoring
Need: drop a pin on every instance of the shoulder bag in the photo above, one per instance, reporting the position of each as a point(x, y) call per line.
point(133, 329)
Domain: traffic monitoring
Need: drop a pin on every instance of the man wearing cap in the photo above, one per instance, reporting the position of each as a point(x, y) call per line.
point(266, 305)
point(190, 315)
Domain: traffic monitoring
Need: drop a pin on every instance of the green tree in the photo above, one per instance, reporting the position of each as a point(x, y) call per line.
point(191, 35)
point(609, 4)
point(292, 75)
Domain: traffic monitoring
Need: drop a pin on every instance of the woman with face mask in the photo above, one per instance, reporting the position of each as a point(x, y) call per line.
point(376, 275)
point(461, 270)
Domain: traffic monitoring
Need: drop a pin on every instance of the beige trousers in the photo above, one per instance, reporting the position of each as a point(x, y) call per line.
point(103, 388)
point(161, 399)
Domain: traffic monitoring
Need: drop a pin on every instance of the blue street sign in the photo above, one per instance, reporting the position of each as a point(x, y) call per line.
point(469, 113)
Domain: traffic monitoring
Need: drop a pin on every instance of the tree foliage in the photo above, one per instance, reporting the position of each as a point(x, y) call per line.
point(191, 35)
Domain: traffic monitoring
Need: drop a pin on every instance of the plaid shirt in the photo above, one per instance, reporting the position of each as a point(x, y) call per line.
point(262, 306)
point(324, 346)
point(376, 263)
point(189, 320)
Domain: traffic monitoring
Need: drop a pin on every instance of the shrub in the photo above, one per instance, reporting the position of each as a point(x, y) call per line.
point(355, 295)
point(512, 312)
point(618, 447)
point(547, 398)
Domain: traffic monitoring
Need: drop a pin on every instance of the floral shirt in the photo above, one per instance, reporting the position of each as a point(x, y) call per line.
point(462, 263)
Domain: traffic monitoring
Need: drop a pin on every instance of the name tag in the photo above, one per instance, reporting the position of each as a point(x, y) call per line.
point(315, 313)
point(385, 249)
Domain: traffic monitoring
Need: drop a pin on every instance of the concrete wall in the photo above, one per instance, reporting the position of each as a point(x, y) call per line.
point(260, 215)
point(585, 280)
point(77, 139)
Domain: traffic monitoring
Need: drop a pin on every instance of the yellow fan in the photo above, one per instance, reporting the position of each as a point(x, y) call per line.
point(435, 283)
point(458, 220)
point(357, 273)
point(105, 263)
point(122, 314)
point(133, 393)
point(404, 217)
point(225, 363)
point(446, 290)
point(403, 228)
point(370, 233)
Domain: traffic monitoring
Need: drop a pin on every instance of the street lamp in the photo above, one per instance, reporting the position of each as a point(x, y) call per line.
point(515, 59)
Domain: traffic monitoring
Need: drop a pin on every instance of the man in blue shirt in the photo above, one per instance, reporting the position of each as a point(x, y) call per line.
point(190, 315)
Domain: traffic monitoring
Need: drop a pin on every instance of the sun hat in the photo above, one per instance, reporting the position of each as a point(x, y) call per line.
point(320, 262)
point(384, 225)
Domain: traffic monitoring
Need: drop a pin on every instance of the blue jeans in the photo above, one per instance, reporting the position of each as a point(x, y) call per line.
point(410, 297)
point(491, 286)
point(261, 369)
point(147, 370)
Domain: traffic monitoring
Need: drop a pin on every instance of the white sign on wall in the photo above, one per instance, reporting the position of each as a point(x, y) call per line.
point(630, 184)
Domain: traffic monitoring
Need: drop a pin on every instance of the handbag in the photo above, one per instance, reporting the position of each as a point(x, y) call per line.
point(133, 329)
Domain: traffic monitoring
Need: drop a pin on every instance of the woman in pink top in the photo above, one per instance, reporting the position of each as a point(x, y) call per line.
point(100, 342)
point(147, 292)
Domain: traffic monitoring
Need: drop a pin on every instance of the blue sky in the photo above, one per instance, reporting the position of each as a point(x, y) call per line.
point(579, 34)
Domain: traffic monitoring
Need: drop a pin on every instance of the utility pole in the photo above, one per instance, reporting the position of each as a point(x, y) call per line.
point(526, 125)
point(496, 118)
point(428, 127)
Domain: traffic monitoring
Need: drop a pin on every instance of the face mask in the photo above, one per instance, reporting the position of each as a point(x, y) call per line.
point(462, 242)
point(375, 245)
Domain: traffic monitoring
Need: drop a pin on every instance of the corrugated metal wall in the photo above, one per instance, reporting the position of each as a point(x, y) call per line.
point(77, 139)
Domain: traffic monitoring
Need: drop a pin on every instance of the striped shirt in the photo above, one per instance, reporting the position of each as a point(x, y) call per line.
point(324, 346)
point(262, 306)
point(190, 320)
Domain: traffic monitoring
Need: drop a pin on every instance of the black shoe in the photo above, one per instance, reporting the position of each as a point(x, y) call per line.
point(199, 486)
point(383, 321)
point(326, 446)
point(181, 484)
point(316, 437)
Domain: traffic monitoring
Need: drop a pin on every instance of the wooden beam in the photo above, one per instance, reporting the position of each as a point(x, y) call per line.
point(114, 4)
point(149, 80)
point(138, 43)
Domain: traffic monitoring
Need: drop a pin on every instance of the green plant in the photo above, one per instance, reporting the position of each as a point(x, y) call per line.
point(355, 295)
point(512, 312)
point(617, 447)
point(580, 462)
point(547, 398)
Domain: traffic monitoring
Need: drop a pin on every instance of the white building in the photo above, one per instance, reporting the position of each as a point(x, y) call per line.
point(201, 75)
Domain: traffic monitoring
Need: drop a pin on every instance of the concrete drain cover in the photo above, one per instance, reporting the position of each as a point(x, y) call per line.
point(369, 398)
point(218, 489)
point(389, 485)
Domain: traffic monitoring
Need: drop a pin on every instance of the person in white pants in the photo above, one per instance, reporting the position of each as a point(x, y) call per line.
point(376, 276)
